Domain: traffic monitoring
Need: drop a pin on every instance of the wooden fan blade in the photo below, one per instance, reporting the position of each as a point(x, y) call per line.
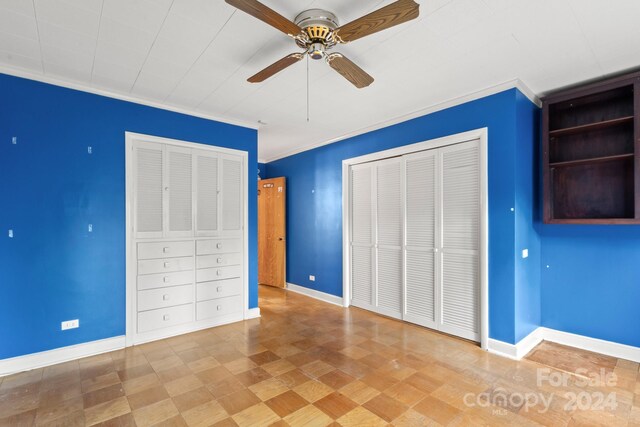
point(349, 70)
point(276, 67)
point(396, 13)
point(265, 14)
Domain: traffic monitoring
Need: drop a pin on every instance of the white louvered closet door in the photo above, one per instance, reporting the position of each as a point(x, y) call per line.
point(231, 180)
point(460, 256)
point(420, 276)
point(388, 253)
point(362, 228)
point(206, 182)
point(178, 187)
point(149, 216)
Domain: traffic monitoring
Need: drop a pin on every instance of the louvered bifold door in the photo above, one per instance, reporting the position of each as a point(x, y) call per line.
point(206, 184)
point(389, 237)
point(460, 301)
point(149, 198)
point(421, 201)
point(179, 186)
point(362, 228)
point(231, 180)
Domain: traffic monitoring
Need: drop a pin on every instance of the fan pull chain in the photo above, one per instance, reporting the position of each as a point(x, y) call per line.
point(307, 88)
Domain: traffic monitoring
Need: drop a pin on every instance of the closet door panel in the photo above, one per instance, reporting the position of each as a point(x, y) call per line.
point(148, 188)
point(362, 255)
point(389, 236)
point(179, 179)
point(460, 240)
point(232, 214)
point(421, 199)
point(207, 200)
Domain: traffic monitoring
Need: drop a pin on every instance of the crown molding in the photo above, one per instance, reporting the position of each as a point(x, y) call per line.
point(56, 81)
point(511, 84)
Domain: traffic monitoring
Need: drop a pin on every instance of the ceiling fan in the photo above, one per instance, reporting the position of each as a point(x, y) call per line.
point(317, 31)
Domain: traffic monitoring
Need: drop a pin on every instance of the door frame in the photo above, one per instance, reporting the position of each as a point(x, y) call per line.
point(130, 253)
point(482, 135)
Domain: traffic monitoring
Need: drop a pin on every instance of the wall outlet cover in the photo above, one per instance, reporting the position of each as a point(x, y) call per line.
point(70, 324)
point(525, 253)
point(312, 278)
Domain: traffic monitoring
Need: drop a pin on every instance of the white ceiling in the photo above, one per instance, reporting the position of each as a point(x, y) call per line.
point(197, 54)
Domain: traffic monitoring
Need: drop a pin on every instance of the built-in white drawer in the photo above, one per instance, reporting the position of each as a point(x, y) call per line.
point(161, 280)
point(218, 289)
point(151, 250)
point(218, 307)
point(219, 260)
point(164, 317)
point(164, 297)
point(218, 246)
point(161, 265)
point(218, 273)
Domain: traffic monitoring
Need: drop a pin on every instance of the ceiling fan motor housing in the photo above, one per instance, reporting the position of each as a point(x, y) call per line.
point(317, 26)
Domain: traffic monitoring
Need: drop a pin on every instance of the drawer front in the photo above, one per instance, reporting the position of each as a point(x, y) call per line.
point(164, 297)
point(164, 317)
point(150, 266)
point(218, 273)
point(164, 250)
point(218, 289)
point(219, 260)
point(218, 307)
point(163, 280)
point(218, 246)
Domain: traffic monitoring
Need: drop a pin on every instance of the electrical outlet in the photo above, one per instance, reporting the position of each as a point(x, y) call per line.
point(312, 278)
point(70, 324)
point(14, 140)
point(89, 149)
point(11, 234)
point(90, 228)
point(525, 253)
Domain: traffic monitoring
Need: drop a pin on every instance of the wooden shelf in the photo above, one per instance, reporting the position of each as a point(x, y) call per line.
point(591, 161)
point(591, 126)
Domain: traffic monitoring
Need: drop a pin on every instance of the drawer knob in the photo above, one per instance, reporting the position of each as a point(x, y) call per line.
point(166, 279)
point(219, 260)
point(166, 265)
point(219, 272)
point(165, 297)
point(165, 317)
point(219, 307)
point(165, 250)
point(219, 289)
point(219, 245)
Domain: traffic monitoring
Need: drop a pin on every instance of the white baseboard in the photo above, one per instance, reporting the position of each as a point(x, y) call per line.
point(524, 346)
point(252, 313)
point(59, 355)
point(322, 296)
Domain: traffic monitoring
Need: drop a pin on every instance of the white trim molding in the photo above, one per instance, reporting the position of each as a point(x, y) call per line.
point(478, 134)
point(123, 97)
point(252, 313)
point(528, 343)
point(322, 296)
point(59, 355)
point(511, 84)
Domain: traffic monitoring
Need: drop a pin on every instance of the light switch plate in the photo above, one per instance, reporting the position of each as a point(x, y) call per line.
point(525, 253)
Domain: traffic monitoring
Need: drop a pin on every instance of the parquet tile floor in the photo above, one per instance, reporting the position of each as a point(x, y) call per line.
point(309, 363)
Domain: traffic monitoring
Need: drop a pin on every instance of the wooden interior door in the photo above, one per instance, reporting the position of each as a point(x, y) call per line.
point(271, 232)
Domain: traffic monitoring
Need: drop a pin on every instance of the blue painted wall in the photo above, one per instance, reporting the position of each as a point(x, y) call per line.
point(53, 269)
point(314, 208)
point(527, 209)
point(262, 168)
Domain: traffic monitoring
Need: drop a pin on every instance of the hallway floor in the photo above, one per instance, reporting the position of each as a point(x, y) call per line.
point(306, 362)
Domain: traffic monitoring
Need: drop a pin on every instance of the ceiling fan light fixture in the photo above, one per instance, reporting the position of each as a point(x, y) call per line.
point(316, 50)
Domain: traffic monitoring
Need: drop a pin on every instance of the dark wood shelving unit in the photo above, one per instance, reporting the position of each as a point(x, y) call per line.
point(591, 153)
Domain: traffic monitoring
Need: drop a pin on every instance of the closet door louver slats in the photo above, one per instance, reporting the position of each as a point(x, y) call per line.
point(460, 240)
point(180, 192)
point(231, 194)
point(362, 275)
point(149, 213)
point(420, 273)
point(389, 237)
point(207, 193)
